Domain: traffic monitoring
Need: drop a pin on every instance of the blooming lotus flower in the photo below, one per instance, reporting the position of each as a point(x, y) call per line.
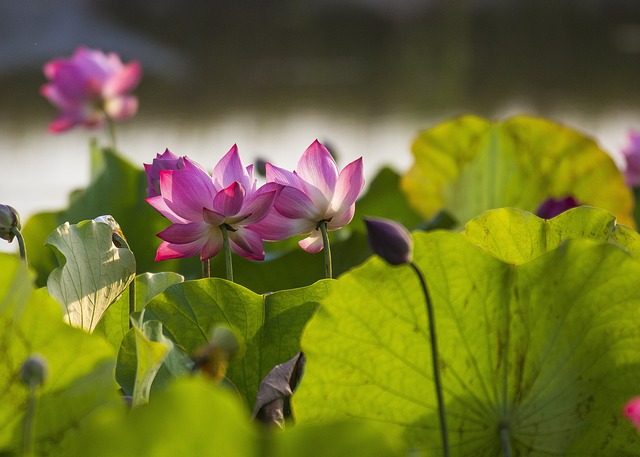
point(632, 411)
point(199, 205)
point(313, 194)
point(165, 161)
point(89, 87)
point(631, 154)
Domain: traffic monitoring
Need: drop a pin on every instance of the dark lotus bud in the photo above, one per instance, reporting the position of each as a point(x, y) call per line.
point(390, 240)
point(9, 218)
point(34, 371)
point(261, 167)
point(552, 207)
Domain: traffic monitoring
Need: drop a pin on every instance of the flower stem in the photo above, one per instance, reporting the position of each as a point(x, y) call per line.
point(227, 251)
point(119, 241)
point(30, 421)
point(206, 268)
point(111, 128)
point(505, 440)
point(21, 245)
point(328, 265)
point(434, 359)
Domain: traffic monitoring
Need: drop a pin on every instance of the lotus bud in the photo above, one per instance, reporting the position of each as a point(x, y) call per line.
point(552, 207)
point(9, 219)
point(390, 240)
point(34, 371)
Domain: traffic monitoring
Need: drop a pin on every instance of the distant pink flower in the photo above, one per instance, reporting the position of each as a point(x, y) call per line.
point(165, 161)
point(631, 154)
point(314, 193)
point(199, 205)
point(632, 411)
point(90, 86)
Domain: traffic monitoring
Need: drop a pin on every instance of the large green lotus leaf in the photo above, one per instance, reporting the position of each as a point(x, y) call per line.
point(469, 165)
point(194, 418)
point(93, 272)
point(543, 353)
point(516, 236)
point(270, 324)
point(115, 323)
point(80, 366)
point(117, 188)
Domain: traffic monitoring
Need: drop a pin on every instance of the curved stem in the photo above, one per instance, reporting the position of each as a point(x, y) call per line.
point(505, 440)
point(328, 265)
point(227, 251)
point(30, 422)
point(119, 241)
point(21, 245)
point(111, 128)
point(434, 358)
point(206, 268)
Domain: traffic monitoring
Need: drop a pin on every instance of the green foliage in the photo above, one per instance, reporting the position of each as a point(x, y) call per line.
point(80, 366)
point(469, 165)
point(542, 345)
point(270, 324)
point(93, 272)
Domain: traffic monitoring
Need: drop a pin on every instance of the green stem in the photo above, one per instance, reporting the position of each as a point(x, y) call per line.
point(119, 241)
point(206, 268)
point(434, 358)
point(227, 251)
point(30, 422)
point(505, 439)
point(328, 265)
point(21, 245)
point(111, 129)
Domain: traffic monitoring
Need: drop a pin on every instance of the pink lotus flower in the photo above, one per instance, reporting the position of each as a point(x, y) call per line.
point(313, 194)
point(89, 87)
point(165, 161)
point(632, 411)
point(631, 154)
point(199, 205)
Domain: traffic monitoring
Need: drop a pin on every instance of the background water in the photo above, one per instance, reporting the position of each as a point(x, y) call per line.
point(363, 76)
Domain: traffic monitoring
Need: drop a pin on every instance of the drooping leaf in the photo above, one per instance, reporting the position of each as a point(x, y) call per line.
point(270, 324)
point(80, 366)
point(115, 323)
point(469, 165)
point(93, 272)
point(541, 352)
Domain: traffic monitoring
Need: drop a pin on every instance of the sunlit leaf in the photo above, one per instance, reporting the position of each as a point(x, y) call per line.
point(270, 324)
point(93, 272)
point(540, 353)
point(80, 366)
point(469, 165)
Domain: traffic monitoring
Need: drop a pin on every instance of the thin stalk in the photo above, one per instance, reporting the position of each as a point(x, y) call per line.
point(227, 251)
point(505, 440)
point(111, 129)
point(21, 245)
point(328, 265)
point(30, 422)
point(119, 241)
point(206, 268)
point(434, 358)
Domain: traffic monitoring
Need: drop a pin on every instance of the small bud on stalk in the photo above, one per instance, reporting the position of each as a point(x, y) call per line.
point(9, 220)
point(34, 371)
point(390, 240)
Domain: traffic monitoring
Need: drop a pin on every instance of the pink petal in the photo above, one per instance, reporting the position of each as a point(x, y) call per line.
point(340, 220)
point(282, 176)
point(213, 245)
point(173, 251)
point(247, 243)
point(228, 202)
point(348, 187)
point(313, 243)
point(212, 217)
point(120, 108)
point(259, 205)
point(295, 204)
point(58, 99)
point(123, 81)
point(230, 169)
point(275, 227)
point(185, 233)
point(317, 167)
point(186, 193)
point(159, 204)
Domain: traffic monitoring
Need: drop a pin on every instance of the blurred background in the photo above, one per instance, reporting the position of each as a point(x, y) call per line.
point(363, 76)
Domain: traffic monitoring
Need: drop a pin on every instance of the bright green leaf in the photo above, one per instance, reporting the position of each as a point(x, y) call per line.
point(545, 349)
point(469, 165)
point(269, 324)
point(80, 366)
point(93, 272)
